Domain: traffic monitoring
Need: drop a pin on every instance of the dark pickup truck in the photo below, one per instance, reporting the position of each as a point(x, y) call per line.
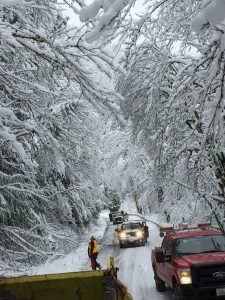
point(113, 209)
point(191, 261)
point(119, 217)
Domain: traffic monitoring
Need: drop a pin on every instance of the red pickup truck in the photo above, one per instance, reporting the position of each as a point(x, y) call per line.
point(191, 262)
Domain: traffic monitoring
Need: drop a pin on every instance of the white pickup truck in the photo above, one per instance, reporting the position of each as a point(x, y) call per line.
point(132, 233)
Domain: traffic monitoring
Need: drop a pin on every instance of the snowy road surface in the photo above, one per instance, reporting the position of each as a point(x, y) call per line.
point(134, 264)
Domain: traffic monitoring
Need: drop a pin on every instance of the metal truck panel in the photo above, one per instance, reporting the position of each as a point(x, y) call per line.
point(93, 285)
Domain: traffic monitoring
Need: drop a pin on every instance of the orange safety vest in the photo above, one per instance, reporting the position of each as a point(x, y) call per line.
point(95, 248)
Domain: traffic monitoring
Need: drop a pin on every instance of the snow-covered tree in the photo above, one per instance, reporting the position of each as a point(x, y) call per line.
point(174, 90)
point(49, 116)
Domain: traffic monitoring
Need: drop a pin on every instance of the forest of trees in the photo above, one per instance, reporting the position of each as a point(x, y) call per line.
point(122, 106)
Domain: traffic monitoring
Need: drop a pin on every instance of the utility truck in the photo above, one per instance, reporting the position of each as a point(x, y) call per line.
point(132, 233)
point(112, 210)
point(119, 217)
point(87, 285)
point(191, 261)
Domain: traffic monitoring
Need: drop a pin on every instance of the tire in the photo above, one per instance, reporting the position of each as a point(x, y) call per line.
point(121, 245)
point(177, 295)
point(159, 284)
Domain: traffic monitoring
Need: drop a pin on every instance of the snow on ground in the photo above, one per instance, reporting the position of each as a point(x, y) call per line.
point(77, 260)
point(134, 263)
point(136, 269)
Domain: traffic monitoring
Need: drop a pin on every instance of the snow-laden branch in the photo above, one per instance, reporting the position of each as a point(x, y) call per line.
point(214, 14)
point(11, 3)
point(105, 12)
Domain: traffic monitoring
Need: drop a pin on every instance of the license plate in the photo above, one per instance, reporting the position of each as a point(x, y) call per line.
point(220, 292)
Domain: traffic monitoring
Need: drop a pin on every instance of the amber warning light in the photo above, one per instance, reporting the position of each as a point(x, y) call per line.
point(166, 228)
point(204, 225)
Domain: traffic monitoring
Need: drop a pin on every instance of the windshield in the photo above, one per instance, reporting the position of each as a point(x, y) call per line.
point(117, 214)
point(199, 244)
point(113, 209)
point(130, 226)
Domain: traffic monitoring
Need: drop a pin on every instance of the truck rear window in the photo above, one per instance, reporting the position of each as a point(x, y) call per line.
point(199, 244)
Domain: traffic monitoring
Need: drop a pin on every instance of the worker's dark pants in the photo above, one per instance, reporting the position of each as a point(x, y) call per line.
point(94, 263)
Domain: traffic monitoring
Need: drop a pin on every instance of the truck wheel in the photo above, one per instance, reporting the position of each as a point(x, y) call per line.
point(160, 285)
point(177, 295)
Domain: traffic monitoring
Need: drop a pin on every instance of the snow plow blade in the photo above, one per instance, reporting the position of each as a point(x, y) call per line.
point(101, 285)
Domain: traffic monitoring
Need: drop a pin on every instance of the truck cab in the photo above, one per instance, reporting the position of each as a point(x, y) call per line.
point(119, 217)
point(132, 233)
point(113, 209)
point(191, 262)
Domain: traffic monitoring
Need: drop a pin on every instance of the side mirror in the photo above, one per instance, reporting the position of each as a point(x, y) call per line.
point(161, 234)
point(159, 257)
point(116, 229)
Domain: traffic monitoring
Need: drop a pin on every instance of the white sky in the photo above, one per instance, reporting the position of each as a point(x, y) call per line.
point(74, 19)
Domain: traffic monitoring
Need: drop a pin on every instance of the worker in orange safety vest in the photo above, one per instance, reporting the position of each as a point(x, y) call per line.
point(93, 253)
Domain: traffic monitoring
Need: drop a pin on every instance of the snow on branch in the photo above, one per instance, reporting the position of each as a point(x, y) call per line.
point(11, 3)
point(106, 10)
point(214, 14)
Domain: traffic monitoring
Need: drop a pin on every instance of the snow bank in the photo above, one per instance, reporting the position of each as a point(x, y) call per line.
point(78, 259)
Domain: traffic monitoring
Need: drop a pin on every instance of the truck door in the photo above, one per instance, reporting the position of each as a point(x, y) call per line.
point(160, 266)
point(166, 267)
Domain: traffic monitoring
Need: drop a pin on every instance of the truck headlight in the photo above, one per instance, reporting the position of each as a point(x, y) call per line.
point(139, 234)
point(123, 235)
point(185, 276)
